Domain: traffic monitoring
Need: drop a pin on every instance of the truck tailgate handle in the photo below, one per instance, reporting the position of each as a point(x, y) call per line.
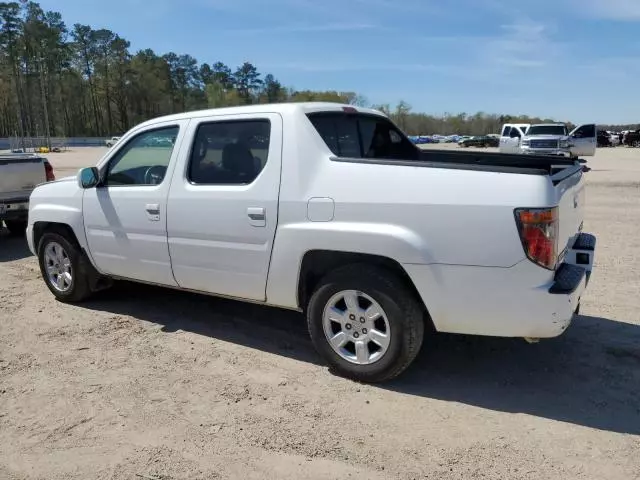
point(257, 216)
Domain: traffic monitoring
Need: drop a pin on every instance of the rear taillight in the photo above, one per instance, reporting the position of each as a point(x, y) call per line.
point(538, 228)
point(48, 170)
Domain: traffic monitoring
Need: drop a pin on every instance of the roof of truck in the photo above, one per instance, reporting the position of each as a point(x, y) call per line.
point(291, 107)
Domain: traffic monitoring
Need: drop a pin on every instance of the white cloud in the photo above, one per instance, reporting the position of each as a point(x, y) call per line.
point(304, 28)
point(626, 10)
point(523, 45)
point(356, 67)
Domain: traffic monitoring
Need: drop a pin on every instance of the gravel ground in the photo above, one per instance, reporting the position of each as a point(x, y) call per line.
point(149, 383)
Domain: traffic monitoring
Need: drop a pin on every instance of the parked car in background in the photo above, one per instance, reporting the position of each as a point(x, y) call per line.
point(632, 138)
point(110, 142)
point(424, 139)
point(19, 175)
point(480, 141)
point(604, 139)
point(259, 203)
point(615, 138)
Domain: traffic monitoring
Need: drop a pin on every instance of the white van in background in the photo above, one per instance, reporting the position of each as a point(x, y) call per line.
point(511, 137)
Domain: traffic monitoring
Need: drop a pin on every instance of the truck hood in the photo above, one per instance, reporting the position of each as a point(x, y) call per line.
point(57, 185)
point(70, 178)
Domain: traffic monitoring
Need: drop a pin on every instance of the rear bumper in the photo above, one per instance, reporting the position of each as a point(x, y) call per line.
point(521, 301)
point(14, 209)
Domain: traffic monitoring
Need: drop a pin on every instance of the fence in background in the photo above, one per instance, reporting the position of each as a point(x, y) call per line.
point(59, 142)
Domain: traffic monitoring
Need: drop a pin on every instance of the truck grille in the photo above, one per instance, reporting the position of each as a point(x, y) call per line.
point(543, 143)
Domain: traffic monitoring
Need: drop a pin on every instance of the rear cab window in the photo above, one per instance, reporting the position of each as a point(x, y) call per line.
point(361, 135)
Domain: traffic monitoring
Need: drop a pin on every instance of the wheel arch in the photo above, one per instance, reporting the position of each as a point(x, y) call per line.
point(316, 264)
point(40, 228)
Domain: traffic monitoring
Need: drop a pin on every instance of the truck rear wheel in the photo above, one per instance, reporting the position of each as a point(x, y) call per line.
point(63, 268)
point(365, 323)
point(16, 227)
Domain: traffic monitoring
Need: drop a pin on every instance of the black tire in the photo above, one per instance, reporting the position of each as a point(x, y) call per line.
point(403, 311)
point(16, 227)
point(80, 286)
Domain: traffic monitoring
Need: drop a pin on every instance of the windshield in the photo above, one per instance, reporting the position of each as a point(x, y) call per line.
point(547, 130)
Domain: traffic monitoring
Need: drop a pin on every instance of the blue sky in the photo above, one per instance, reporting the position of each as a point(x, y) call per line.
point(573, 60)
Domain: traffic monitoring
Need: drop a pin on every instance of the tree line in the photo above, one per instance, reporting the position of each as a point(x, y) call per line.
point(62, 81)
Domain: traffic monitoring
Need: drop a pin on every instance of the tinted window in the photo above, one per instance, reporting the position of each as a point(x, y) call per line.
point(381, 139)
point(514, 133)
point(359, 136)
point(230, 152)
point(505, 132)
point(585, 131)
point(144, 159)
point(547, 130)
point(340, 133)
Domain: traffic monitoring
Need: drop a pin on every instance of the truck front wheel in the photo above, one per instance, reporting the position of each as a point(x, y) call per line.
point(365, 323)
point(63, 268)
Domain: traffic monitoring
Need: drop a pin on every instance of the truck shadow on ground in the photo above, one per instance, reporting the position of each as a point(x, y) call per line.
point(589, 376)
point(12, 247)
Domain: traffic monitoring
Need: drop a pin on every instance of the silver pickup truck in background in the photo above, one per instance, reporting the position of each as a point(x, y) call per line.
point(19, 175)
point(549, 139)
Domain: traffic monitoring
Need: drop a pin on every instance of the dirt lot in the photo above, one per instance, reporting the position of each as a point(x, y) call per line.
point(148, 383)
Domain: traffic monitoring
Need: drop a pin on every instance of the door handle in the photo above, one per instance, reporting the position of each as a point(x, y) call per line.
point(153, 211)
point(152, 208)
point(257, 216)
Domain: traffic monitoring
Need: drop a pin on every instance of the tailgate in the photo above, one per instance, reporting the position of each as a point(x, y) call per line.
point(569, 187)
point(19, 176)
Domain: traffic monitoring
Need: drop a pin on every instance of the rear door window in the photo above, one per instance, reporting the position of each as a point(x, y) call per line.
point(506, 131)
point(232, 152)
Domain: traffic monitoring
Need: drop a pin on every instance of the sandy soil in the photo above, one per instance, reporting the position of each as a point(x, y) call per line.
point(148, 383)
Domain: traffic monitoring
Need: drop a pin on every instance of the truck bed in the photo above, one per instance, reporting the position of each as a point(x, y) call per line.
point(558, 168)
point(490, 161)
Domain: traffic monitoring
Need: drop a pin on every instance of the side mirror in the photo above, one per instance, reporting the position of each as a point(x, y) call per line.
point(88, 177)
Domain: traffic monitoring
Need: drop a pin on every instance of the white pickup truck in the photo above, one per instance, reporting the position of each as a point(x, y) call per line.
point(327, 209)
point(110, 142)
point(19, 175)
point(549, 139)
